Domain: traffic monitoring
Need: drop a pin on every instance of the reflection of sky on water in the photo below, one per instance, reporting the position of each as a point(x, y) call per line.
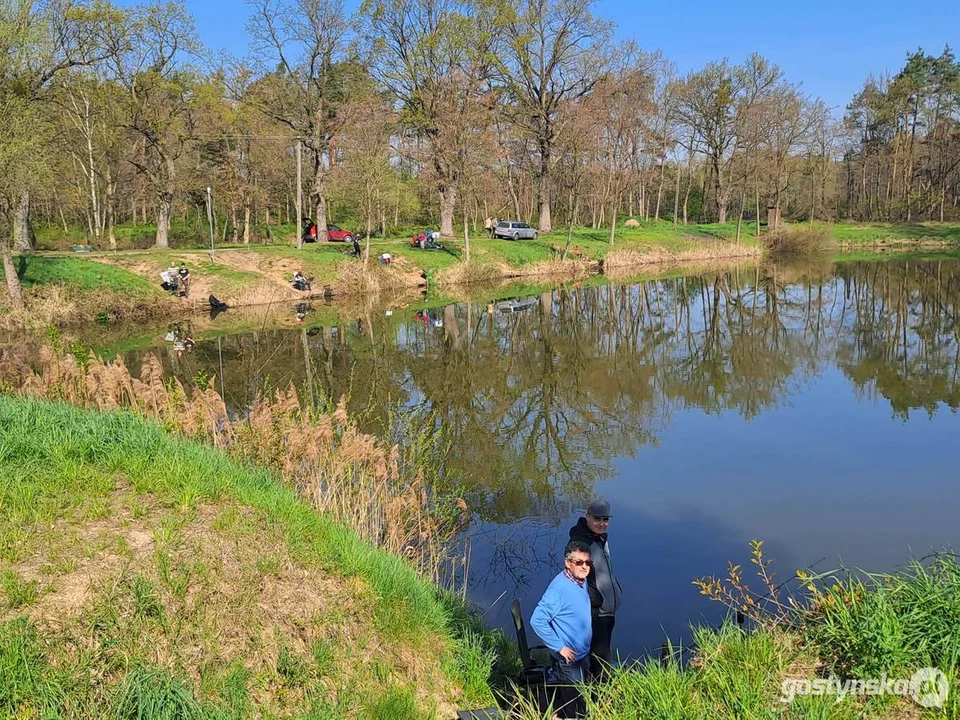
point(823, 478)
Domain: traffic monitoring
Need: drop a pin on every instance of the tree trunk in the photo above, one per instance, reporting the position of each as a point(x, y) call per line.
point(676, 195)
point(740, 216)
point(63, 219)
point(448, 201)
point(656, 214)
point(246, 222)
point(720, 190)
point(320, 196)
point(643, 196)
point(686, 197)
point(233, 223)
point(23, 239)
point(613, 218)
point(163, 220)
point(573, 219)
point(166, 203)
point(299, 221)
point(756, 187)
point(108, 211)
point(908, 176)
point(544, 225)
point(513, 194)
point(94, 200)
point(466, 235)
point(396, 206)
point(13, 282)
point(813, 195)
point(382, 213)
point(369, 208)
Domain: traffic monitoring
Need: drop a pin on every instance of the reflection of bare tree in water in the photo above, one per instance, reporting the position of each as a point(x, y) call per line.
point(519, 553)
point(539, 404)
point(901, 334)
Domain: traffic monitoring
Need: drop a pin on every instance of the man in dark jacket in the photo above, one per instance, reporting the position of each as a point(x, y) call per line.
point(602, 584)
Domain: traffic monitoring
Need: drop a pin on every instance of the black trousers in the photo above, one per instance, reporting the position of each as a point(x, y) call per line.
point(600, 644)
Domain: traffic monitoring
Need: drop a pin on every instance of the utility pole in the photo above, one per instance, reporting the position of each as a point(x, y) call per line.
point(213, 258)
point(297, 228)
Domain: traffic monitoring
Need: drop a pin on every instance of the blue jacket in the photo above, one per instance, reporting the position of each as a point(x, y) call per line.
point(562, 617)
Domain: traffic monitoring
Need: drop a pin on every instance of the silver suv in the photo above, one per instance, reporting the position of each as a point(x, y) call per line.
point(514, 230)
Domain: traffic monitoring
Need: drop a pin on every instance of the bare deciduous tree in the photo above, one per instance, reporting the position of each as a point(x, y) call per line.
point(159, 109)
point(434, 57)
point(39, 42)
point(307, 40)
point(712, 103)
point(555, 52)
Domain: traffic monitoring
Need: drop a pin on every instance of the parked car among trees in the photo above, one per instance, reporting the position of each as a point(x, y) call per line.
point(513, 230)
point(334, 233)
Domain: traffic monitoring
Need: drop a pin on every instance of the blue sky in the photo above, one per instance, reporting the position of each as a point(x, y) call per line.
point(829, 47)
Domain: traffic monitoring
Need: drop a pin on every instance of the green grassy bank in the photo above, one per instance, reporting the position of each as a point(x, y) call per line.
point(892, 233)
point(847, 630)
point(69, 290)
point(143, 575)
point(147, 576)
point(65, 288)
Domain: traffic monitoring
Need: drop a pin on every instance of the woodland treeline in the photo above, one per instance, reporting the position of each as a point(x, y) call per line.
point(439, 111)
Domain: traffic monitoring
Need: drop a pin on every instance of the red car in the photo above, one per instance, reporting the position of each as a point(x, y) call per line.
point(334, 234)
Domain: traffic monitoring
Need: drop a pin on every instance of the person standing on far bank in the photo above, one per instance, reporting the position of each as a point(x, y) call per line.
point(602, 583)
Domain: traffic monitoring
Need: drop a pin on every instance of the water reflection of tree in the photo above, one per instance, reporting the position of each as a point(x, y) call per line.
point(541, 403)
point(901, 334)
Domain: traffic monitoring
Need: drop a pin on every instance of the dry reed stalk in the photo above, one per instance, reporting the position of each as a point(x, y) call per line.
point(690, 267)
point(354, 278)
point(263, 293)
point(462, 274)
point(659, 256)
point(471, 273)
point(377, 489)
point(571, 269)
point(60, 305)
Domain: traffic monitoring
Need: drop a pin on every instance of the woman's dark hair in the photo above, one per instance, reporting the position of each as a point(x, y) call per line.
point(575, 546)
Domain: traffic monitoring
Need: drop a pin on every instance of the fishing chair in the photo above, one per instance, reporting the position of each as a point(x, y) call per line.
point(536, 681)
point(532, 670)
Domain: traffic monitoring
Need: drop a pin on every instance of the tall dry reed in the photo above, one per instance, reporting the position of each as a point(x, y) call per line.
point(392, 494)
point(355, 278)
point(792, 242)
point(625, 259)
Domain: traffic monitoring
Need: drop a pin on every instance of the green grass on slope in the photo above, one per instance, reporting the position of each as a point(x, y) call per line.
point(83, 274)
point(872, 232)
point(185, 619)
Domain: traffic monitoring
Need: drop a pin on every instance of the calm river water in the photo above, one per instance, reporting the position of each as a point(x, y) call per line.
point(814, 409)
